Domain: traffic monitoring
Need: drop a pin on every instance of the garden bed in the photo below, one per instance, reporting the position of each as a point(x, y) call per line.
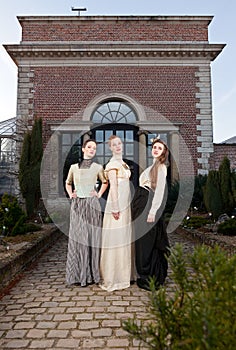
point(207, 237)
point(18, 252)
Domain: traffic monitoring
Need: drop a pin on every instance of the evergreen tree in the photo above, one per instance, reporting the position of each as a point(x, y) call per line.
point(30, 162)
point(225, 185)
point(24, 163)
point(212, 194)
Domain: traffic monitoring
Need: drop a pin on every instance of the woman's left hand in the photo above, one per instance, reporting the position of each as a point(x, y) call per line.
point(151, 218)
point(116, 215)
point(94, 193)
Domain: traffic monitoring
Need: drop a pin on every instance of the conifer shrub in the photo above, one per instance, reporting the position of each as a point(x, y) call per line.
point(195, 222)
point(29, 167)
point(228, 228)
point(199, 313)
point(198, 200)
point(225, 178)
point(212, 194)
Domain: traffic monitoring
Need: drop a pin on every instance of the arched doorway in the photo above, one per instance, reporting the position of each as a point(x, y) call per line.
point(116, 118)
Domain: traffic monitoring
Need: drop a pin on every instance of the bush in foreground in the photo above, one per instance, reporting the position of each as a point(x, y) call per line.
point(228, 228)
point(200, 313)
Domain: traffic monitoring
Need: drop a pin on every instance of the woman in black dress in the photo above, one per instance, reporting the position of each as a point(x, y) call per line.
point(151, 241)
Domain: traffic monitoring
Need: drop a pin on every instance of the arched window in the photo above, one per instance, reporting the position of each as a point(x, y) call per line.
point(114, 112)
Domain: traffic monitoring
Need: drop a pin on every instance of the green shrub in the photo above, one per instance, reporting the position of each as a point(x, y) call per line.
point(200, 312)
point(228, 227)
point(197, 200)
point(212, 194)
point(29, 167)
point(173, 193)
point(12, 217)
point(195, 222)
point(225, 185)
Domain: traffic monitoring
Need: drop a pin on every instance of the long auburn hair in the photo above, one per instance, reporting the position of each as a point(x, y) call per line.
point(163, 159)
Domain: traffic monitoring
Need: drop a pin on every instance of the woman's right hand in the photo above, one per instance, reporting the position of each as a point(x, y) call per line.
point(73, 195)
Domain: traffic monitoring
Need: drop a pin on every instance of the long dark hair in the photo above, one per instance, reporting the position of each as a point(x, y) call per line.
point(163, 159)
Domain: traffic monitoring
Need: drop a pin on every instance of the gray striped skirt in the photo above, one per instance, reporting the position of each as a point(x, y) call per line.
point(82, 266)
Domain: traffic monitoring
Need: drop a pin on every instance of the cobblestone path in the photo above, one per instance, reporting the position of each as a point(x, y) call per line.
point(41, 312)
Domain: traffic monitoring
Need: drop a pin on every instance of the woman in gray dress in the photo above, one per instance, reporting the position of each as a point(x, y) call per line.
point(83, 255)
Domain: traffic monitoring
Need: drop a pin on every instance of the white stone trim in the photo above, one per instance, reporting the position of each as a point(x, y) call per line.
point(205, 118)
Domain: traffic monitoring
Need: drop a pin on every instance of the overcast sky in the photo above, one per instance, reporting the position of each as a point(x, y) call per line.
point(221, 30)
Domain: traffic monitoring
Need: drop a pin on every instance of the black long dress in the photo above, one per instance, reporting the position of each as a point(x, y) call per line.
point(151, 241)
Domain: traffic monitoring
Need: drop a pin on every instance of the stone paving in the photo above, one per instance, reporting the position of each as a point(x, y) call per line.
point(41, 312)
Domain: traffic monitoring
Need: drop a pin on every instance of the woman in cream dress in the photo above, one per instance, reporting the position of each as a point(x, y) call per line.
point(115, 264)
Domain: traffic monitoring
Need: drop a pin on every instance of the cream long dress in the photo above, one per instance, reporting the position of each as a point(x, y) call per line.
point(115, 263)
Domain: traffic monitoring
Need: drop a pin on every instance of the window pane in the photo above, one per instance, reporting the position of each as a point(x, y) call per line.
point(97, 117)
point(66, 139)
point(99, 135)
point(129, 149)
point(131, 118)
point(99, 150)
point(129, 135)
point(114, 106)
point(108, 133)
point(65, 151)
point(76, 138)
point(124, 109)
point(99, 160)
point(103, 109)
point(120, 134)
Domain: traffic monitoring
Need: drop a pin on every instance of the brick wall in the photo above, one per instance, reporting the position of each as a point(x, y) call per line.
point(221, 151)
point(113, 29)
point(63, 92)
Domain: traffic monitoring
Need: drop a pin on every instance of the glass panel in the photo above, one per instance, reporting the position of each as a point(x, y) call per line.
point(131, 118)
point(129, 149)
point(150, 137)
point(120, 134)
point(99, 135)
point(99, 149)
point(124, 109)
point(114, 106)
point(114, 116)
point(76, 138)
point(120, 118)
point(129, 135)
point(107, 119)
point(97, 118)
point(65, 150)
point(108, 133)
point(66, 139)
point(99, 160)
point(103, 109)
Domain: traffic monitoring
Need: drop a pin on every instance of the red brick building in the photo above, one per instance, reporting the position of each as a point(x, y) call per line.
point(137, 76)
point(224, 149)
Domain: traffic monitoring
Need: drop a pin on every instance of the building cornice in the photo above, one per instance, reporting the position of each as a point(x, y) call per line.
point(207, 19)
point(114, 51)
